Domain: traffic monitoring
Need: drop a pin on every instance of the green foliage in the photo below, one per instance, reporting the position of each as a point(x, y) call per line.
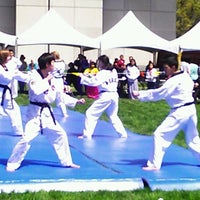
point(187, 15)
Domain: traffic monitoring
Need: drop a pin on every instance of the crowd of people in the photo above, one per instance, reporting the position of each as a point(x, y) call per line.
point(129, 74)
point(104, 82)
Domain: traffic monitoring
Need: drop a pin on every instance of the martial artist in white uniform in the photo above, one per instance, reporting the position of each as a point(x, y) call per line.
point(10, 107)
point(177, 91)
point(106, 80)
point(14, 64)
point(40, 119)
point(59, 69)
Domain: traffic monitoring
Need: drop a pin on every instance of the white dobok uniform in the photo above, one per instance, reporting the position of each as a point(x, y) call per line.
point(8, 104)
point(59, 66)
point(14, 64)
point(106, 81)
point(177, 91)
point(40, 118)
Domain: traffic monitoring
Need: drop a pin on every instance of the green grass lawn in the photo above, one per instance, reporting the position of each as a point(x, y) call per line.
point(139, 117)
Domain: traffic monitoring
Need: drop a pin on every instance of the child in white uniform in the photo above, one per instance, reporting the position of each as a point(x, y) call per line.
point(107, 81)
point(10, 107)
point(177, 91)
point(59, 69)
point(42, 92)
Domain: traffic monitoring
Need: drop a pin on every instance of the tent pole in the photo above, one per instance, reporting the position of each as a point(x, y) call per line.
point(49, 7)
point(179, 57)
point(16, 48)
point(154, 58)
point(81, 50)
point(99, 50)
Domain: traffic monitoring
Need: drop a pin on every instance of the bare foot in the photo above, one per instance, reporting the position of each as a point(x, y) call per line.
point(10, 169)
point(150, 168)
point(74, 166)
point(84, 137)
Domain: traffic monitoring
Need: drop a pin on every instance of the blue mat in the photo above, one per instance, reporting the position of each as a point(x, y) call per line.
point(107, 162)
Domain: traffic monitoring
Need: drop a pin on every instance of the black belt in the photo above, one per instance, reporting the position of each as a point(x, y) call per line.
point(44, 105)
point(5, 87)
point(186, 104)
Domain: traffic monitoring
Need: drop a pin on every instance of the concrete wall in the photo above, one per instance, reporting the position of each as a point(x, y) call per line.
point(90, 17)
point(7, 16)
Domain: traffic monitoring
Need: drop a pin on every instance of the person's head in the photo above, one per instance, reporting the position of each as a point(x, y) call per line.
point(104, 63)
point(171, 65)
point(56, 55)
point(22, 57)
point(46, 61)
point(4, 56)
point(71, 65)
point(92, 64)
point(130, 58)
point(81, 56)
point(121, 56)
point(132, 62)
point(11, 52)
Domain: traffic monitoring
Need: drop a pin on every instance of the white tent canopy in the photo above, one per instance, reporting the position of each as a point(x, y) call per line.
point(52, 29)
point(190, 40)
point(129, 32)
point(7, 39)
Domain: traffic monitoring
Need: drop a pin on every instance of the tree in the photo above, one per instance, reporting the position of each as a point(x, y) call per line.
point(187, 15)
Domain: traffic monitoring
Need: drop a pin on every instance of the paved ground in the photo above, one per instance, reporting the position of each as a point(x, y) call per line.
point(107, 162)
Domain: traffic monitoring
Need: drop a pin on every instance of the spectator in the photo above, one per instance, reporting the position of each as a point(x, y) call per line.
point(132, 74)
point(73, 79)
point(92, 91)
point(32, 66)
point(22, 68)
point(151, 76)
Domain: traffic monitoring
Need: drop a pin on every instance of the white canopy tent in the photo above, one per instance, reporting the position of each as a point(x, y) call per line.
point(7, 39)
point(190, 40)
point(52, 29)
point(129, 32)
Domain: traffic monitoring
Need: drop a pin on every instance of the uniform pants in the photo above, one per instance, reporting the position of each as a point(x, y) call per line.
point(54, 133)
point(13, 111)
point(183, 118)
point(108, 102)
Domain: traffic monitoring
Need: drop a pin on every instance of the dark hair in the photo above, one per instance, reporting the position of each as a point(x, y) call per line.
point(22, 57)
point(71, 64)
point(171, 61)
point(92, 63)
point(44, 59)
point(106, 62)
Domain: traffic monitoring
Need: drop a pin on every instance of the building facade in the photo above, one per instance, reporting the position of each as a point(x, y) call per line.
point(90, 17)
